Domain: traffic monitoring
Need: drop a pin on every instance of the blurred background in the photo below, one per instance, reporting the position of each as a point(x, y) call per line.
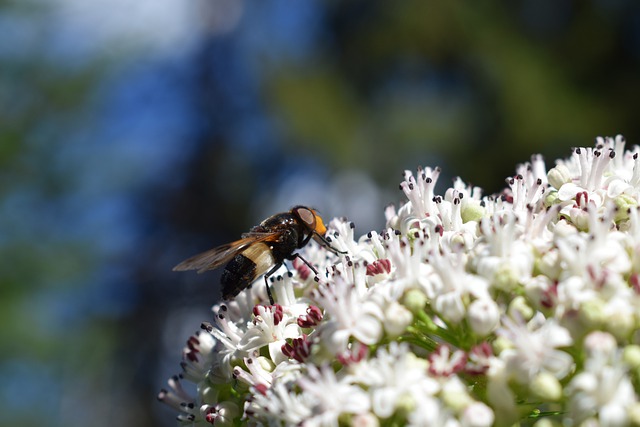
point(134, 134)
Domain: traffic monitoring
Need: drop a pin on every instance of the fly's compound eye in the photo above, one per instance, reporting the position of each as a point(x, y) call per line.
point(307, 216)
point(311, 219)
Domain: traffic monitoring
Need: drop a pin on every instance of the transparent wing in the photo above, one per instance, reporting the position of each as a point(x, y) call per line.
point(214, 258)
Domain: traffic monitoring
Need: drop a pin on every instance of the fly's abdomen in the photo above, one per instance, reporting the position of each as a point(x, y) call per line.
point(244, 268)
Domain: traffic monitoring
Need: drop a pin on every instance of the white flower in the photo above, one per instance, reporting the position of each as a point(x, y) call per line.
point(271, 327)
point(503, 257)
point(395, 377)
point(331, 396)
point(350, 311)
point(534, 348)
point(280, 403)
point(606, 392)
point(452, 285)
point(465, 311)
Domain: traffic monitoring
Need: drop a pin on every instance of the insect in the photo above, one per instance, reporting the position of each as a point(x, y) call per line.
point(262, 250)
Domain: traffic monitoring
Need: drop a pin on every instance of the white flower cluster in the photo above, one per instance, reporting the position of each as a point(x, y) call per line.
point(468, 310)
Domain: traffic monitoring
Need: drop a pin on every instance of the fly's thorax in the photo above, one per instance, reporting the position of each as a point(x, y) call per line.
point(277, 222)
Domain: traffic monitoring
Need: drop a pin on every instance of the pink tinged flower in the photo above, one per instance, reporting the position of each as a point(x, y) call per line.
point(356, 353)
point(222, 414)
point(479, 359)
point(271, 327)
point(299, 349)
point(304, 272)
point(443, 362)
point(634, 281)
point(312, 318)
point(198, 354)
point(365, 420)
point(549, 296)
point(276, 309)
point(379, 266)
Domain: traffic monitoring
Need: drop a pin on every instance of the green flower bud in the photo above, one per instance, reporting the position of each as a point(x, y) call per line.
point(414, 300)
point(624, 202)
point(619, 324)
point(592, 314)
point(551, 198)
point(558, 176)
point(519, 308)
point(634, 414)
point(631, 356)
point(472, 210)
point(501, 343)
point(505, 278)
point(266, 363)
point(546, 387)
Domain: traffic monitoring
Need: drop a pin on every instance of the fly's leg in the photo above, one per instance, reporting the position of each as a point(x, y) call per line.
point(308, 264)
point(266, 281)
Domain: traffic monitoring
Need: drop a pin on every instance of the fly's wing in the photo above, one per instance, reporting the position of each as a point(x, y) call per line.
point(214, 258)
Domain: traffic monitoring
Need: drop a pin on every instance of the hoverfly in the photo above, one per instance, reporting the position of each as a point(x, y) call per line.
point(262, 250)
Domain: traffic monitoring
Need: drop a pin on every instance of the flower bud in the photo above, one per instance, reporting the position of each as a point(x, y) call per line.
point(226, 413)
point(483, 315)
point(397, 318)
point(619, 324)
point(415, 300)
point(631, 356)
point(558, 176)
point(477, 415)
point(546, 422)
point(624, 202)
point(265, 363)
point(592, 313)
point(365, 420)
point(634, 414)
point(472, 210)
point(518, 308)
point(551, 198)
point(454, 395)
point(546, 387)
